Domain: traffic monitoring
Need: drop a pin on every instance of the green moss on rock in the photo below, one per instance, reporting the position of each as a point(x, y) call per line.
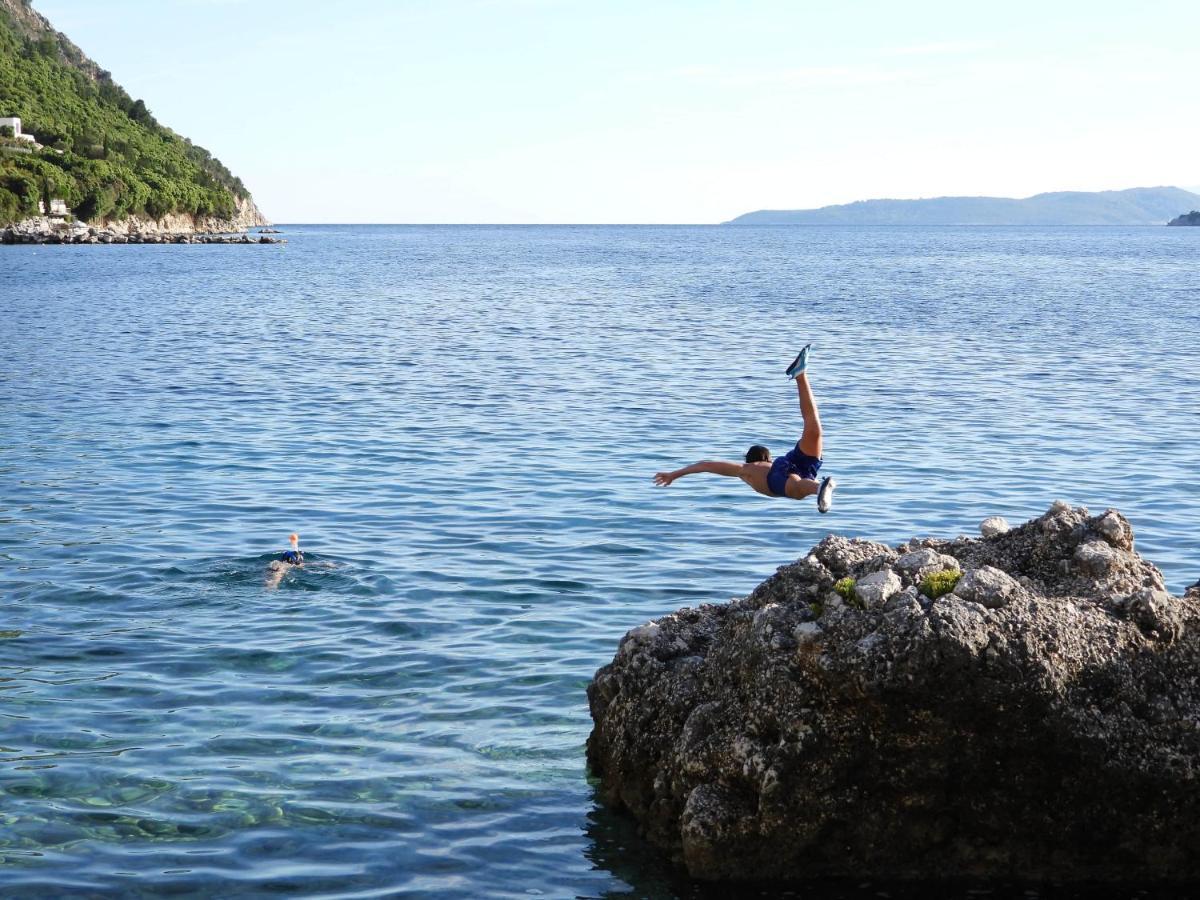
point(936, 584)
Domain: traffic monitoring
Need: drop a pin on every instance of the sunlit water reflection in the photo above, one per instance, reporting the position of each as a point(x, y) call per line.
point(462, 423)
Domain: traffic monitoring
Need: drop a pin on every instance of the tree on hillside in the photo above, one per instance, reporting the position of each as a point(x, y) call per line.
point(47, 46)
point(140, 114)
point(108, 155)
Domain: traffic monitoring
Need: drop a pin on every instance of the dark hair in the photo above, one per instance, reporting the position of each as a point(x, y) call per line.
point(758, 453)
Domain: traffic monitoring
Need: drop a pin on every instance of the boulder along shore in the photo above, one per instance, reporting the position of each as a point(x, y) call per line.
point(49, 231)
point(1024, 706)
point(173, 228)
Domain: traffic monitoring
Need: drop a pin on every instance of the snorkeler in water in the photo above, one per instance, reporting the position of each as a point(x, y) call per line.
point(288, 560)
point(294, 556)
point(293, 559)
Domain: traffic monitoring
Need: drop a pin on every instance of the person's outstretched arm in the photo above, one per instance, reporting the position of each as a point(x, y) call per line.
point(714, 467)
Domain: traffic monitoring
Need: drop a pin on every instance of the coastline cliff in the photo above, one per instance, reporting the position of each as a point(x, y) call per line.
point(173, 228)
point(1021, 706)
point(75, 146)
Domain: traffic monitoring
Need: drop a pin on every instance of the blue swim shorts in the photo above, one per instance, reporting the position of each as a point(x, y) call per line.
point(795, 461)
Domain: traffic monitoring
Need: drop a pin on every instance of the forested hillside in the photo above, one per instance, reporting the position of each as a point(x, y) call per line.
point(104, 152)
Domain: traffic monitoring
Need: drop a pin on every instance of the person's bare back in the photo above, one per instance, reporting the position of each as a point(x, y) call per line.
point(792, 475)
point(755, 474)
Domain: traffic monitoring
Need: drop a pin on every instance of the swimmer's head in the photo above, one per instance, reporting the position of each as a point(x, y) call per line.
point(758, 453)
point(294, 556)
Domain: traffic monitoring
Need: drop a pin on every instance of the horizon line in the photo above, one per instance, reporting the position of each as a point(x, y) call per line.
point(696, 225)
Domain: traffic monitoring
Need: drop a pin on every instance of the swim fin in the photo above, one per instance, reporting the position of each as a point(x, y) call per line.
point(800, 363)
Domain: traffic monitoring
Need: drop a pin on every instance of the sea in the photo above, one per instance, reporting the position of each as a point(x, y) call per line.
point(463, 425)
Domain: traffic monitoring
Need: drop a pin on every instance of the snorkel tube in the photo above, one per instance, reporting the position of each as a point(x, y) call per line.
point(293, 556)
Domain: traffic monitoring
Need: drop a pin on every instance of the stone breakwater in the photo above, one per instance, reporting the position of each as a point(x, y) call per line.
point(173, 228)
point(51, 231)
point(1036, 720)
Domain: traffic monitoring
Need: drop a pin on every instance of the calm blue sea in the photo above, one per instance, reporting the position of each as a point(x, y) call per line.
point(463, 423)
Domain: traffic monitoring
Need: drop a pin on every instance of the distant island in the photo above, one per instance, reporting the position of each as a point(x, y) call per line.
point(76, 148)
point(1136, 206)
point(1192, 218)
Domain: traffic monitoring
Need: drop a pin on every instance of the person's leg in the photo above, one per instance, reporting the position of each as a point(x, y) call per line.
point(798, 488)
point(810, 441)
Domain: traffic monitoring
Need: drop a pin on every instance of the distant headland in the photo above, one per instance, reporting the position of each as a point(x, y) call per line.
point(81, 159)
point(1135, 206)
point(1192, 218)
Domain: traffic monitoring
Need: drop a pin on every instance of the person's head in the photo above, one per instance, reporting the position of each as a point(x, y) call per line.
point(758, 453)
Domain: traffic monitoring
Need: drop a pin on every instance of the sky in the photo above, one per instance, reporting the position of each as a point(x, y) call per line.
point(631, 111)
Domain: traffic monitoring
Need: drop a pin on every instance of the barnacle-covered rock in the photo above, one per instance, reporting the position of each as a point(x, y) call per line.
point(1041, 721)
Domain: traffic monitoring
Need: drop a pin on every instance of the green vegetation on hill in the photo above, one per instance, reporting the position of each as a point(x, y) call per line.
point(104, 152)
point(1191, 218)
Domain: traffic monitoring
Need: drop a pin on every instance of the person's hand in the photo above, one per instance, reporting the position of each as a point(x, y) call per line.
point(662, 479)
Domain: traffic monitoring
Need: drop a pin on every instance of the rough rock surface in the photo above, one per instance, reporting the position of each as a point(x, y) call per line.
point(1039, 722)
point(174, 228)
point(993, 525)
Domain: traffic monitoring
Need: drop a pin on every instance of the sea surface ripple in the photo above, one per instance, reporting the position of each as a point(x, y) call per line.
point(462, 423)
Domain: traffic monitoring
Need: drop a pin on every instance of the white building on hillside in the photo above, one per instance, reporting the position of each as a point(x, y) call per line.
point(57, 208)
point(14, 122)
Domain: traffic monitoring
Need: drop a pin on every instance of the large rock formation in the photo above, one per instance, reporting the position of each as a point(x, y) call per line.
point(246, 215)
point(173, 228)
point(1039, 722)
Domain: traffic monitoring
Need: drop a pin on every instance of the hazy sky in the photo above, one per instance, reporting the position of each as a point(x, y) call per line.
point(645, 111)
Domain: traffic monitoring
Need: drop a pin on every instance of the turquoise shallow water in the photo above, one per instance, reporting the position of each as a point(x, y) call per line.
point(463, 423)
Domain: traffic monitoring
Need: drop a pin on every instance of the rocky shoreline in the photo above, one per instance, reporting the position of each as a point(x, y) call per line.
point(50, 231)
point(173, 228)
point(1020, 707)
